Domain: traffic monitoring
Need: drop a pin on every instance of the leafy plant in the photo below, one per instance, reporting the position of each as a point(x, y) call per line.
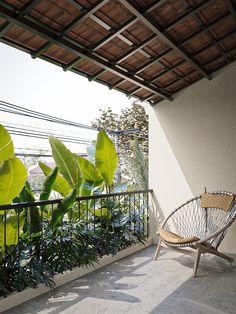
point(65, 160)
point(137, 165)
point(12, 179)
point(63, 207)
point(6, 145)
point(37, 242)
point(13, 226)
point(79, 175)
point(13, 173)
point(60, 184)
point(131, 124)
point(106, 157)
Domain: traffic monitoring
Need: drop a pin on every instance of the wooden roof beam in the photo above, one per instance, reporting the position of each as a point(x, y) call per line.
point(214, 41)
point(26, 8)
point(81, 18)
point(76, 4)
point(117, 32)
point(153, 61)
point(29, 6)
point(147, 21)
point(188, 14)
point(231, 8)
point(80, 52)
point(135, 49)
point(204, 29)
point(154, 6)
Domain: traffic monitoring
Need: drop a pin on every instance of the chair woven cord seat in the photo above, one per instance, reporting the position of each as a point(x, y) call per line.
point(174, 238)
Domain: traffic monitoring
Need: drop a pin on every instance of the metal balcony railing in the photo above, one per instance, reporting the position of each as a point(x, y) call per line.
point(34, 247)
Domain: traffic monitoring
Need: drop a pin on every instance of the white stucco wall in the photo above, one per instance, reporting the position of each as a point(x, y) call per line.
point(193, 144)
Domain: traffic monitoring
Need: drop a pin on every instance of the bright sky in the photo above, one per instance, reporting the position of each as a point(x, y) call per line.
point(38, 85)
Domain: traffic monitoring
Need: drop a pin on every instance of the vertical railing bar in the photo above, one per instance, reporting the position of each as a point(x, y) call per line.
point(120, 210)
point(107, 226)
point(41, 250)
point(120, 213)
point(87, 216)
point(5, 250)
point(31, 244)
point(18, 250)
point(100, 229)
point(107, 198)
point(70, 222)
point(94, 215)
point(139, 214)
point(147, 214)
point(134, 211)
point(130, 217)
point(79, 209)
point(126, 212)
point(143, 214)
point(53, 235)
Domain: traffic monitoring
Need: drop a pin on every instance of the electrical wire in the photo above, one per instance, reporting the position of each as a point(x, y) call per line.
point(14, 109)
point(48, 130)
point(31, 155)
point(33, 149)
point(27, 130)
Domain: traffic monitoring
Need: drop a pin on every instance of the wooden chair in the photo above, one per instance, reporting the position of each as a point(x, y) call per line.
point(200, 224)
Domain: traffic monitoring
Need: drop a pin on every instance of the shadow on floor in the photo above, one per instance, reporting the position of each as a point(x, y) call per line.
point(137, 284)
point(101, 284)
point(212, 292)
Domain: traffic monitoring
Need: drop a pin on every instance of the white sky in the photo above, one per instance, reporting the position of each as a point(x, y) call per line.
point(38, 85)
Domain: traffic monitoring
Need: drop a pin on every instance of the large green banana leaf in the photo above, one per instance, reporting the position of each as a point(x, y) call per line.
point(11, 230)
point(65, 160)
point(60, 185)
point(106, 157)
point(6, 145)
point(63, 208)
point(34, 221)
point(48, 184)
point(13, 175)
point(89, 171)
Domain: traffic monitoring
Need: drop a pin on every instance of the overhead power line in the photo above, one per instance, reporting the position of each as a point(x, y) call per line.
point(14, 109)
point(32, 155)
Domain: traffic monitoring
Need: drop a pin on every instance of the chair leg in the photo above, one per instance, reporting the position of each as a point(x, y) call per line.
point(196, 262)
point(157, 250)
point(211, 250)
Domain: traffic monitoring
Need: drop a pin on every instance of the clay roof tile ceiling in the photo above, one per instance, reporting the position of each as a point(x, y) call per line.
point(147, 49)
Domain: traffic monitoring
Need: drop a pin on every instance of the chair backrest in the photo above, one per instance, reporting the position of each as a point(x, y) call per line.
point(205, 215)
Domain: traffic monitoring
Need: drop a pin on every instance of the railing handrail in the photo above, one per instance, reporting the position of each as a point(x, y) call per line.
point(79, 198)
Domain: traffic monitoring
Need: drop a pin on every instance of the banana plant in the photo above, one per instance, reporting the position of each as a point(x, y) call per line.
point(62, 208)
point(106, 158)
point(13, 173)
point(79, 176)
point(6, 145)
point(12, 227)
point(13, 176)
point(60, 185)
point(34, 217)
point(48, 185)
point(65, 161)
point(12, 179)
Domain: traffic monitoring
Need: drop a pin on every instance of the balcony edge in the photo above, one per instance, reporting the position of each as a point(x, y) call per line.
point(18, 298)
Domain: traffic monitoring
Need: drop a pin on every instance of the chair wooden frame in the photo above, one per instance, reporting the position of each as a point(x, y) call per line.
point(206, 239)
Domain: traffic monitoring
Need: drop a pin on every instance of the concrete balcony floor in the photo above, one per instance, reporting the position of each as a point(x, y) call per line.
point(137, 284)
